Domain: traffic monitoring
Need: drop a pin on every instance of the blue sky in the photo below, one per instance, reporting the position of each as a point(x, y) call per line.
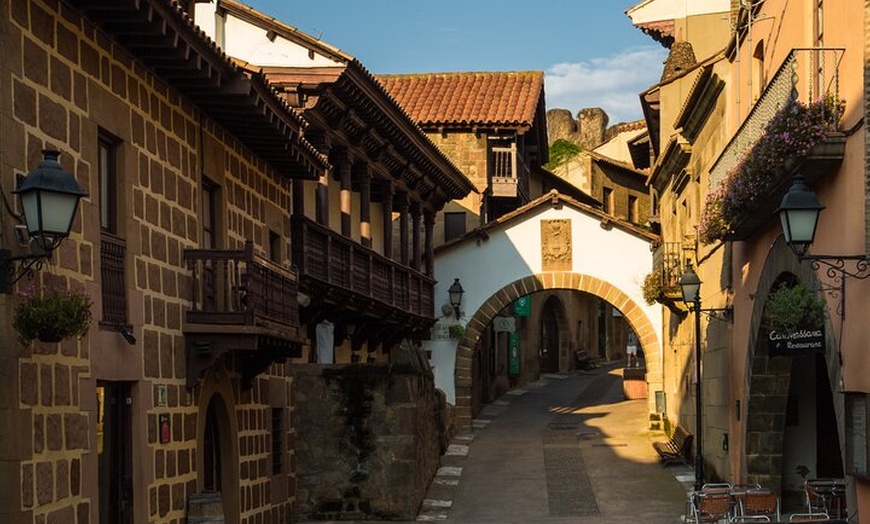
point(590, 53)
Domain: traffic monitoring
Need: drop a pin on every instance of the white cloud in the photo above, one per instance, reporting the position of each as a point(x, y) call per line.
point(611, 83)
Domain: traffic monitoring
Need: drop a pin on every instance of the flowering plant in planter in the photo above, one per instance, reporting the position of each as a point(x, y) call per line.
point(792, 133)
point(52, 316)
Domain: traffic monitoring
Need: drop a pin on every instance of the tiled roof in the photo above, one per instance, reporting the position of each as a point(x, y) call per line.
point(506, 99)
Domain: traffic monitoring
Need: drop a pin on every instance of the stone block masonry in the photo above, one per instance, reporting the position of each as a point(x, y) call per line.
point(367, 440)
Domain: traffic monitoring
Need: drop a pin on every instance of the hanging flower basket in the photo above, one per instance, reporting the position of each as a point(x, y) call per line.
point(52, 316)
point(789, 308)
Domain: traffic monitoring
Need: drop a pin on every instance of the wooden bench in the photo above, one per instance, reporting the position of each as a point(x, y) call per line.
point(677, 449)
point(583, 360)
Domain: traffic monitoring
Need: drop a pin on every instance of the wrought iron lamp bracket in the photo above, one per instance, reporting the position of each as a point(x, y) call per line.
point(722, 314)
point(836, 271)
point(14, 267)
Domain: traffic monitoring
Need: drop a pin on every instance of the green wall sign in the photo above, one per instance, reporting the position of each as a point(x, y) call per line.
point(514, 354)
point(523, 306)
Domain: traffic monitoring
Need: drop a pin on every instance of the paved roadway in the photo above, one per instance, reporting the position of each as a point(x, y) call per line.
point(566, 449)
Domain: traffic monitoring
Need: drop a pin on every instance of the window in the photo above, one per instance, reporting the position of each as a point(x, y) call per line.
point(758, 79)
point(454, 225)
point(108, 184)
point(607, 200)
point(277, 439)
point(113, 248)
point(632, 209)
point(274, 247)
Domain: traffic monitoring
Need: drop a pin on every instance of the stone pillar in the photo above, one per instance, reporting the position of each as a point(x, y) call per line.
point(341, 160)
point(363, 176)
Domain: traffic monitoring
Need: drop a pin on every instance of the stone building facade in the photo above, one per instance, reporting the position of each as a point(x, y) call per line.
point(182, 389)
point(105, 429)
point(721, 116)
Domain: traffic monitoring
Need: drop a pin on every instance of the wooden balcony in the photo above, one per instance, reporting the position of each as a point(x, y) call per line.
point(668, 265)
point(240, 303)
point(351, 280)
point(503, 171)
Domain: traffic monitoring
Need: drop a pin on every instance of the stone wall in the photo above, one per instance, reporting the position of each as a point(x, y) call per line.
point(367, 440)
point(68, 82)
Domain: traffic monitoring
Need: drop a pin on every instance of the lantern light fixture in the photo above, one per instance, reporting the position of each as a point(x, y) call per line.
point(49, 197)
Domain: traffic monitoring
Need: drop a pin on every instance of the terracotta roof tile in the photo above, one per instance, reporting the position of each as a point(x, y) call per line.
point(507, 99)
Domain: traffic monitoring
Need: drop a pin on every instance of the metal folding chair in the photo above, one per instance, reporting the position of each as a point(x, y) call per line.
point(760, 502)
point(710, 506)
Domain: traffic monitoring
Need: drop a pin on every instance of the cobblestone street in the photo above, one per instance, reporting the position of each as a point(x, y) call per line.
point(567, 448)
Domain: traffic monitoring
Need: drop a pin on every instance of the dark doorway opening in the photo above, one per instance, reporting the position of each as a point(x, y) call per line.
point(114, 452)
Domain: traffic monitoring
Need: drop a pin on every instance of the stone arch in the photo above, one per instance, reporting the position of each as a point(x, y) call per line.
point(767, 378)
point(464, 376)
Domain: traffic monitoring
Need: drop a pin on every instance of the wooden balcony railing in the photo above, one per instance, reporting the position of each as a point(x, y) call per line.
point(503, 171)
point(114, 291)
point(351, 270)
point(238, 287)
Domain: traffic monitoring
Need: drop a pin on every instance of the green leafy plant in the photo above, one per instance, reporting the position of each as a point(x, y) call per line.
point(652, 287)
point(790, 307)
point(456, 331)
point(51, 316)
point(562, 151)
point(792, 133)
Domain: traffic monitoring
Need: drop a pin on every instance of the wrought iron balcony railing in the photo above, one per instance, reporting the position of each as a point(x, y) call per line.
point(668, 266)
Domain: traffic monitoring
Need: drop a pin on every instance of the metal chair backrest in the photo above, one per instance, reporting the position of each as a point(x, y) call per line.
point(713, 506)
point(760, 502)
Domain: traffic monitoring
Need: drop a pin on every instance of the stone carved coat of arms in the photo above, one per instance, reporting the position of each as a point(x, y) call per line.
point(556, 245)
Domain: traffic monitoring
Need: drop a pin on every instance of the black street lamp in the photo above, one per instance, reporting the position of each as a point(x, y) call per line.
point(455, 291)
point(799, 214)
point(49, 197)
point(690, 286)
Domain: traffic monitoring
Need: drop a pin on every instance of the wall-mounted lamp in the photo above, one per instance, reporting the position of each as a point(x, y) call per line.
point(799, 214)
point(49, 197)
point(455, 293)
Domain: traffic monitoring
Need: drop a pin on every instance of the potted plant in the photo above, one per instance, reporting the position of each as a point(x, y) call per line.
point(652, 287)
point(456, 331)
point(51, 316)
point(789, 308)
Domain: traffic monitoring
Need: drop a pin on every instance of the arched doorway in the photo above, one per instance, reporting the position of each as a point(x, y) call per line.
point(217, 450)
point(553, 335)
point(792, 432)
point(212, 460)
